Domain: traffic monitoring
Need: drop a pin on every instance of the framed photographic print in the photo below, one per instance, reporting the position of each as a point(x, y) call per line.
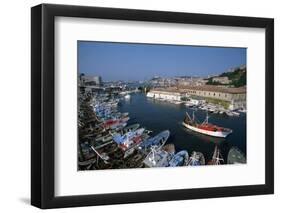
point(140, 106)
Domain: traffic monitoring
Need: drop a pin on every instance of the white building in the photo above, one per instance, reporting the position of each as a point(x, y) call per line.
point(234, 97)
point(165, 95)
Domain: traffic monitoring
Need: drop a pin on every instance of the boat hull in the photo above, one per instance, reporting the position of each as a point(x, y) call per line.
point(218, 134)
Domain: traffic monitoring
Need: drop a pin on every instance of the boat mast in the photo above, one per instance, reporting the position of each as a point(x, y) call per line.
point(206, 119)
point(104, 158)
point(193, 116)
point(188, 116)
point(153, 151)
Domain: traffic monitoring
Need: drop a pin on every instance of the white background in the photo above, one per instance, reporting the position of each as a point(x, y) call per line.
point(15, 105)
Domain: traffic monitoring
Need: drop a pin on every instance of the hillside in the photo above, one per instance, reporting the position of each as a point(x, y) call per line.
point(237, 78)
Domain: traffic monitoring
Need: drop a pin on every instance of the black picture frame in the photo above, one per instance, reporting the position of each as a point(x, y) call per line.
point(43, 102)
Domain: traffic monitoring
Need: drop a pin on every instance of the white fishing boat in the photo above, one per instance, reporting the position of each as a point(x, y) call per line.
point(235, 113)
point(196, 159)
point(157, 158)
point(177, 102)
point(189, 104)
point(128, 96)
point(242, 110)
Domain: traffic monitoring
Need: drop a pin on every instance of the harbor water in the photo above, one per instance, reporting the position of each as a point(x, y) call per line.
point(156, 115)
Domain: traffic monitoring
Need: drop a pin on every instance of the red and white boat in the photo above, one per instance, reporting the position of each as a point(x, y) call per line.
point(205, 127)
point(114, 123)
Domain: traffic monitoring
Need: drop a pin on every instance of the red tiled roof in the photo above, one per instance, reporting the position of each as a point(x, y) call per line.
point(209, 88)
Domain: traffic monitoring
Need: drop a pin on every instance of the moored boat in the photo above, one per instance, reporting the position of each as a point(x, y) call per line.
point(105, 138)
point(179, 159)
point(113, 116)
point(157, 157)
point(217, 158)
point(159, 140)
point(114, 123)
point(235, 156)
point(236, 113)
point(205, 127)
point(130, 139)
point(128, 96)
point(196, 159)
point(132, 127)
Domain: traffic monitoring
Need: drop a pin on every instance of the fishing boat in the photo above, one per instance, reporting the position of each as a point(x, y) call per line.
point(236, 113)
point(114, 123)
point(129, 140)
point(132, 127)
point(104, 106)
point(217, 158)
point(235, 156)
point(242, 110)
point(205, 127)
point(105, 138)
point(157, 157)
point(229, 113)
point(158, 140)
point(114, 116)
point(122, 130)
point(179, 159)
point(177, 102)
point(102, 156)
point(118, 126)
point(196, 159)
point(189, 104)
point(127, 96)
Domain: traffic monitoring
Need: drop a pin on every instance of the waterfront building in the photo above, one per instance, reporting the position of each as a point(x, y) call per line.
point(232, 98)
point(170, 94)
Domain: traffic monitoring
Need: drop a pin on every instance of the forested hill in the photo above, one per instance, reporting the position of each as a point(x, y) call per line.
point(237, 77)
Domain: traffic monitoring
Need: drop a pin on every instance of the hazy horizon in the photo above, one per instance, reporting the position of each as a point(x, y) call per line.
point(138, 62)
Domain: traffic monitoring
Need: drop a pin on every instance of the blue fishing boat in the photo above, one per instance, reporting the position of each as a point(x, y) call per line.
point(179, 159)
point(158, 140)
point(129, 136)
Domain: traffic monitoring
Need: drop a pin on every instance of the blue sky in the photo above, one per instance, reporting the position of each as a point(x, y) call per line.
point(129, 61)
